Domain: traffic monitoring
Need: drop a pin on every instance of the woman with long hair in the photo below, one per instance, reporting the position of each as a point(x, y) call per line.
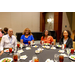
point(27, 36)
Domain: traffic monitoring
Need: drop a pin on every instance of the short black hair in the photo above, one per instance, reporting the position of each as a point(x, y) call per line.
point(44, 33)
point(69, 34)
point(6, 29)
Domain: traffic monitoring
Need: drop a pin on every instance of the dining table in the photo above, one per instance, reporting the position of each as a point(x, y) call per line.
point(43, 56)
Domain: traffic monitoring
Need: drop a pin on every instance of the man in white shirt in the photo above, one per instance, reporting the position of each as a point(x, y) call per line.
point(8, 40)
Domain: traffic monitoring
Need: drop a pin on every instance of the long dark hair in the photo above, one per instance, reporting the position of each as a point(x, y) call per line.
point(69, 34)
point(44, 33)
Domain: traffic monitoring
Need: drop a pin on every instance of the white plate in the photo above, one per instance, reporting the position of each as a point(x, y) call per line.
point(6, 58)
point(48, 60)
point(28, 48)
point(61, 51)
point(35, 46)
point(72, 56)
point(7, 50)
point(53, 47)
point(58, 45)
point(37, 51)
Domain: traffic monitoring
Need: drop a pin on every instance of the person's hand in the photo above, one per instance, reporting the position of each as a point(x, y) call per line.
point(1, 53)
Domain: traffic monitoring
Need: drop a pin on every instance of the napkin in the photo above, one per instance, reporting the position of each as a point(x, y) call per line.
point(23, 57)
point(20, 51)
point(28, 48)
point(64, 55)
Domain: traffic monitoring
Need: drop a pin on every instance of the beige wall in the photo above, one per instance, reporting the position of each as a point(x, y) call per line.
point(49, 26)
point(18, 21)
point(73, 21)
point(65, 21)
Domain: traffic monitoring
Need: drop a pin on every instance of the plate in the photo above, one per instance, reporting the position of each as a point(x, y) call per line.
point(72, 57)
point(47, 47)
point(7, 58)
point(61, 51)
point(64, 55)
point(58, 45)
point(48, 60)
point(28, 48)
point(6, 50)
point(37, 51)
point(46, 44)
point(53, 48)
point(35, 46)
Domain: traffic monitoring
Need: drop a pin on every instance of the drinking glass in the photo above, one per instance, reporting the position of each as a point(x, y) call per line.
point(68, 51)
point(72, 50)
point(15, 57)
point(35, 58)
point(21, 45)
point(10, 51)
point(61, 58)
point(56, 57)
point(52, 44)
point(18, 56)
point(18, 45)
point(29, 43)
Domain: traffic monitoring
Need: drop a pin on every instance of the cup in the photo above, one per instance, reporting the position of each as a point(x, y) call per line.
point(61, 58)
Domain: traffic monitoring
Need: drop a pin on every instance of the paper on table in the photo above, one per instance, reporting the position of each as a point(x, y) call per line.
point(64, 55)
point(28, 48)
point(20, 51)
point(23, 57)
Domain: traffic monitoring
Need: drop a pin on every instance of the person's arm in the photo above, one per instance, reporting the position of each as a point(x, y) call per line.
point(1, 52)
point(32, 38)
point(60, 42)
point(70, 44)
point(21, 39)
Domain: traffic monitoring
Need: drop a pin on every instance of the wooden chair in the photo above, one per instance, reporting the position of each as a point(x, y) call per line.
point(0, 39)
point(74, 44)
point(54, 41)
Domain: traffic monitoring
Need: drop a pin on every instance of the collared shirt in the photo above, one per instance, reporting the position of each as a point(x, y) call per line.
point(8, 42)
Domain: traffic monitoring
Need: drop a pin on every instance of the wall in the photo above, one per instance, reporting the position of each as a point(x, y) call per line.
point(66, 21)
point(49, 26)
point(18, 21)
point(73, 21)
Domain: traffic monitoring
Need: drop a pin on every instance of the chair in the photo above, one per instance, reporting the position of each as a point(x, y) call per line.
point(0, 39)
point(74, 44)
point(54, 41)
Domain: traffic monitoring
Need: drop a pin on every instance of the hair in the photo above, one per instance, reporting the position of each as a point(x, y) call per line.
point(26, 30)
point(6, 29)
point(44, 33)
point(69, 33)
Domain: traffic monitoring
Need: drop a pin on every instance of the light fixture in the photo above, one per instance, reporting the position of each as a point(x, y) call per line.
point(49, 20)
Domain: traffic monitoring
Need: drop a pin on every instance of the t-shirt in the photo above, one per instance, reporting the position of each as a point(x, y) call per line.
point(25, 40)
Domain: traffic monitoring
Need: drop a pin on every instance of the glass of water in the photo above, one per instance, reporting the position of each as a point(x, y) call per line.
point(68, 51)
point(56, 57)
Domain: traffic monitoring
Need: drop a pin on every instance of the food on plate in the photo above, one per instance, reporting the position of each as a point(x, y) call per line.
point(6, 60)
point(23, 57)
point(58, 45)
point(37, 51)
point(46, 44)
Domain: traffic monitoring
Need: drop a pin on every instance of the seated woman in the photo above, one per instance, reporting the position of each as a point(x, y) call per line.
point(27, 36)
point(46, 37)
point(66, 39)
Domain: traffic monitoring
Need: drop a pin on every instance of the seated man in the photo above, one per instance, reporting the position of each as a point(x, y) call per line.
point(8, 40)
